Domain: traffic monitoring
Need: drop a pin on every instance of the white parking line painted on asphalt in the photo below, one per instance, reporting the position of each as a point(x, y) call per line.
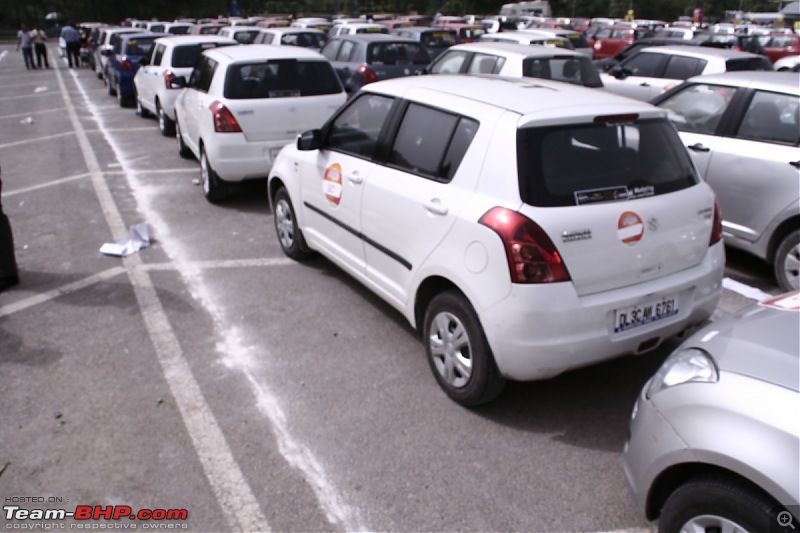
point(31, 113)
point(745, 290)
point(38, 139)
point(226, 263)
point(53, 183)
point(237, 355)
point(236, 500)
point(37, 299)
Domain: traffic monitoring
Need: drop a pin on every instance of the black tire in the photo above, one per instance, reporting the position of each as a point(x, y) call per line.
point(140, 109)
point(786, 262)
point(183, 150)
point(214, 189)
point(165, 124)
point(713, 501)
point(458, 352)
point(112, 90)
point(289, 234)
point(122, 98)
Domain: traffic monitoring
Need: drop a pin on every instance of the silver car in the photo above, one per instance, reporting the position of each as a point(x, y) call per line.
point(715, 435)
point(743, 131)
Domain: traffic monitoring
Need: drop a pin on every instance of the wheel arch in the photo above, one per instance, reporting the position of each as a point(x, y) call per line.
point(670, 479)
point(784, 228)
point(427, 291)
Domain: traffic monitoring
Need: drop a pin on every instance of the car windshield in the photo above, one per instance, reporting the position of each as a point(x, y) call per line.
point(139, 46)
point(281, 79)
point(392, 53)
point(581, 164)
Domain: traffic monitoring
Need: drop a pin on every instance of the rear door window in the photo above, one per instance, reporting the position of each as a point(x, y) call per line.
point(431, 142)
point(202, 76)
point(186, 56)
point(583, 164)
point(681, 68)
point(771, 117)
point(157, 54)
point(449, 63)
point(485, 64)
point(644, 64)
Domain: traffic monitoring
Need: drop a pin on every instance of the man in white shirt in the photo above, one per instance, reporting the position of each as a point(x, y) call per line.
point(24, 43)
point(39, 40)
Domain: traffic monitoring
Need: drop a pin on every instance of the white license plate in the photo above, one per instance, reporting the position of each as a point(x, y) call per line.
point(645, 313)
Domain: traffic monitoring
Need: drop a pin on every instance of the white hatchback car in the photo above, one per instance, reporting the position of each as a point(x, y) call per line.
point(242, 104)
point(651, 71)
point(525, 227)
point(512, 59)
point(169, 58)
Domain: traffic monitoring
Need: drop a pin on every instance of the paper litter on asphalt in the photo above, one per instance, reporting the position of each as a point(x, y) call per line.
point(138, 237)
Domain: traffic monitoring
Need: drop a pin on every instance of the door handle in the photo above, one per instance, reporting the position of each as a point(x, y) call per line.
point(795, 164)
point(698, 147)
point(355, 177)
point(435, 206)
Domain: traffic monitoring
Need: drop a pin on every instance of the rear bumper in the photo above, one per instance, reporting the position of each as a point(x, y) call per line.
point(235, 159)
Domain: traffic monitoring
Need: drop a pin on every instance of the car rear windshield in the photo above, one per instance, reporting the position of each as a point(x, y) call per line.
point(439, 38)
point(186, 56)
point(139, 46)
point(281, 79)
point(577, 70)
point(748, 63)
point(389, 53)
point(601, 162)
point(304, 39)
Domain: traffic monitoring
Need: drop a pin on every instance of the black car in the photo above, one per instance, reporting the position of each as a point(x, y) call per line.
point(368, 57)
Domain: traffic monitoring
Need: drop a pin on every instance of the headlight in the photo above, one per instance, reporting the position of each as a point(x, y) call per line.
point(690, 365)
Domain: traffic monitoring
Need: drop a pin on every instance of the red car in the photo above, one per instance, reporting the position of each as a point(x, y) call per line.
point(781, 45)
point(613, 39)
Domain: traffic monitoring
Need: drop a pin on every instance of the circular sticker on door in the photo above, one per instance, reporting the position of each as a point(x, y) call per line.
point(630, 228)
point(332, 184)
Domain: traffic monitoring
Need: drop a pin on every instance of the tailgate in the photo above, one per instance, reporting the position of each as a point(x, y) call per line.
point(609, 245)
point(282, 119)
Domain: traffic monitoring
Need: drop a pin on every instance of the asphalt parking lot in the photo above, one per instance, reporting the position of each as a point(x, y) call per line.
point(208, 374)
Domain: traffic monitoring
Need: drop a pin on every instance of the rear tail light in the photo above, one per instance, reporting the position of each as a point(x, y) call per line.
point(168, 77)
point(531, 255)
point(716, 228)
point(125, 64)
point(367, 75)
point(224, 121)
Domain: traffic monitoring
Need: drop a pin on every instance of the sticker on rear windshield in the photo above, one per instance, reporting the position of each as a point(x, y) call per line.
point(613, 194)
point(332, 184)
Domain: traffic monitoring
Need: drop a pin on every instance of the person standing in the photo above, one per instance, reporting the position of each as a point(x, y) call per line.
point(24, 43)
point(8, 263)
point(73, 41)
point(39, 39)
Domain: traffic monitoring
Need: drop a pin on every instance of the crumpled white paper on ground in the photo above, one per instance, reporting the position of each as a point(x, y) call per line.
point(138, 237)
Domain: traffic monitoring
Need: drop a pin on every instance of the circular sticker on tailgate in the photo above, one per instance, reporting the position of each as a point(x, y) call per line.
point(630, 228)
point(332, 184)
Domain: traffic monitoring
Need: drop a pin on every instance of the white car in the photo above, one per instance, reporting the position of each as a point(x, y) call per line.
point(788, 63)
point(524, 227)
point(526, 37)
point(242, 104)
point(170, 58)
point(241, 34)
point(512, 59)
point(651, 71)
point(353, 28)
point(304, 37)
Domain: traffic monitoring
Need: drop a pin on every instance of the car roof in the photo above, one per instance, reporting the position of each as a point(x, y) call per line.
point(515, 49)
point(767, 80)
point(369, 37)
point(699, 51)
point(520, 95)
point(292, 29)
point(255, 52)
point(423, 29)
point(191, 39)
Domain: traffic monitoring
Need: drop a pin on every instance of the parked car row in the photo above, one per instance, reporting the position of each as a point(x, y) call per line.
point(527, 221)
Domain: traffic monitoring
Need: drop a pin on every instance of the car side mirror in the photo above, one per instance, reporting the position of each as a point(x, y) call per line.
point(309, 140)
point(178, 82)
point(144, 61)
point(620, 72)
point(107, 52)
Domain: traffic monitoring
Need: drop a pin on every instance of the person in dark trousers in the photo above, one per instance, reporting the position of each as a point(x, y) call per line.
point(73, 41)
point(39, 39)
point(24, 44)
point(8, 263)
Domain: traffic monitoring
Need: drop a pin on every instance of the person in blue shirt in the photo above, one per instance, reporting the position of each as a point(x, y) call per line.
point(73, 41)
